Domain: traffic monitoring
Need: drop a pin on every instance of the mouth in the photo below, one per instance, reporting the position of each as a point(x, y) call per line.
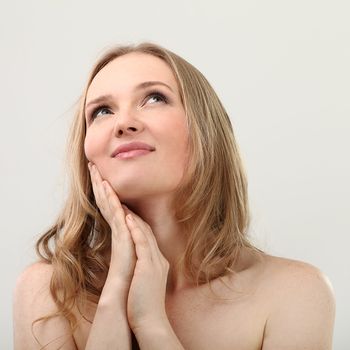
point(132, 149)
point(132, 153)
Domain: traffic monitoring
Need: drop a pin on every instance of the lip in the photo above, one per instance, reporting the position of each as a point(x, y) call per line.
point(132, 154)
point(132, 146)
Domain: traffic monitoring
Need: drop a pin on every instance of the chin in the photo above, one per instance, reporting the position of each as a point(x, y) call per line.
point(132, 192)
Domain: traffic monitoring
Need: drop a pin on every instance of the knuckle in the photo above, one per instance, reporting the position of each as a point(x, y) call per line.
point(143, 242)
point(165, 262)
point(117, 224)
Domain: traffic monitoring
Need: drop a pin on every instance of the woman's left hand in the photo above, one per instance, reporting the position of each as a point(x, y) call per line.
point(146, 299)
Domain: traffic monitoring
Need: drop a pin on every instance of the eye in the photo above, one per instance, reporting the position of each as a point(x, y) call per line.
point(156, 96)
point(96, 111)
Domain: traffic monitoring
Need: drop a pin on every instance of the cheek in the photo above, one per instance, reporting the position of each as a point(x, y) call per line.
point(178, 147)
point(87, 148)
point(182, 139)
point(177, 132)
point(92, 148)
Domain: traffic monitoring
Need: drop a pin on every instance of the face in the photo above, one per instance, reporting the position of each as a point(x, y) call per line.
point(138, 101)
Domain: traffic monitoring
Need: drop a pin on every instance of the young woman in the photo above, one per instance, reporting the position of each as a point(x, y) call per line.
point(150, 250)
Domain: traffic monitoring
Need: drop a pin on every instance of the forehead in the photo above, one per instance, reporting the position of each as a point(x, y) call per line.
point(127, 71)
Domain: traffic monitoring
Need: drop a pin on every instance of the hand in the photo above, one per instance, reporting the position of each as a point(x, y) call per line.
point(123, 256)
point(136, 257)
point(146, 300)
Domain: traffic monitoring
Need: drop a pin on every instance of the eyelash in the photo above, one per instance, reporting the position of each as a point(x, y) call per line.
point(94, 112)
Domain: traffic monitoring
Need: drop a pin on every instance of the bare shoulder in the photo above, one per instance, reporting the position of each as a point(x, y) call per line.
point(32, 300)
point(301, 305)
point(32, 285)
point(38, 272)
point(282, 267)
point(295, 272)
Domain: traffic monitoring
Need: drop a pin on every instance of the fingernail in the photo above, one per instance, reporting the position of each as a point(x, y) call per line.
point(129, 217)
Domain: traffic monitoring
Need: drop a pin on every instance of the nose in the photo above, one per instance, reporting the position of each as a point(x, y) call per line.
point(127, 124)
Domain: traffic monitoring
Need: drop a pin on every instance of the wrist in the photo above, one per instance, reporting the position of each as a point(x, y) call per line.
point(114, 292)
point(156, 327)
point(157, 322)
point(157, 335)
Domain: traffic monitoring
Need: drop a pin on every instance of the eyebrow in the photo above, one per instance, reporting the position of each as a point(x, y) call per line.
point(140, 86)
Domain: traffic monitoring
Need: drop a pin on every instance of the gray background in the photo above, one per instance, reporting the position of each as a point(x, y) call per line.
point(281, 69)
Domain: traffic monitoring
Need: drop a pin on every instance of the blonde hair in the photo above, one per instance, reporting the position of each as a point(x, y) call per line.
point(211, 202)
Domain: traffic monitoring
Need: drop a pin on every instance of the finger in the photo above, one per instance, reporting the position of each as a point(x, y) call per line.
point(141, 228)
point(141, 223)
point(117, 211)
point(100, 188)
point(146, 229)
point(108, 201)
point(98, 191)
point(142, 246)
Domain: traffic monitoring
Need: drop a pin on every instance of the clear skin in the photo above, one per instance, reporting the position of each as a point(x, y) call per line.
point(274, 312)
point(144, 184)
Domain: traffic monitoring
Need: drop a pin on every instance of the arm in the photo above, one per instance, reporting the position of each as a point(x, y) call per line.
point(110, 328)
point(158, 337)
point(136, 282)
point(303, 312)
point(31, 300)
point(146, 299)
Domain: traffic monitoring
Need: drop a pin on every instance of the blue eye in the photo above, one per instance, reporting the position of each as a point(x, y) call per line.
point(95, 112)
point(158, 96)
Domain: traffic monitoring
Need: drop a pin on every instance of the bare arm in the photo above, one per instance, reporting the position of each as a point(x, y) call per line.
point(158, 337)
point(134, 292)
point(110, 328)
point(303, 313)
point(32, 300)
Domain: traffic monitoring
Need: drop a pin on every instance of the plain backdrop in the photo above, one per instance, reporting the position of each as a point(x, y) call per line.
point(281, 69)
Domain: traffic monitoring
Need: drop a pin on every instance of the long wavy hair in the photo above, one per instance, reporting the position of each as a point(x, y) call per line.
point(211, 202)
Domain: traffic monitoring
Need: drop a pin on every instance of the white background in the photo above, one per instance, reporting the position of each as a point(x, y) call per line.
point(281, 69)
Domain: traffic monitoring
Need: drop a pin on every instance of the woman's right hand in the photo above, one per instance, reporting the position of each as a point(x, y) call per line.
point(123, 255)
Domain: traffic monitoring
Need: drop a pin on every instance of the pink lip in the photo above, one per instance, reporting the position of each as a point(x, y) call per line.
point(132, 149)
point(131, 154)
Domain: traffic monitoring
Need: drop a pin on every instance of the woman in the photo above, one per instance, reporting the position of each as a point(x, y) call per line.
point(151, 244)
